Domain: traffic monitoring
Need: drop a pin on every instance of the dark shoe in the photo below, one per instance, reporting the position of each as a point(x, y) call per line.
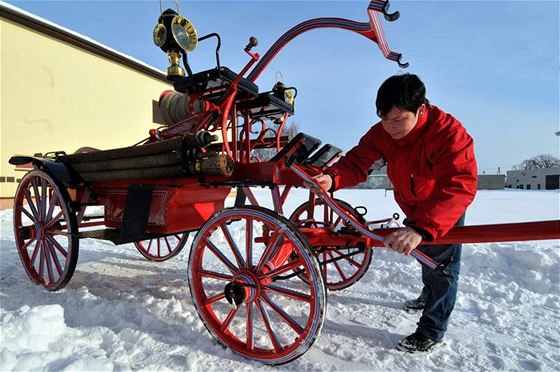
point(415, 305)
point(417, 343)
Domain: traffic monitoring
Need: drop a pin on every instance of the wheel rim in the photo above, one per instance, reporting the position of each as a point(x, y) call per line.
point(275, 322)
point(164, 248)
point(345, 265)
point(44, 230)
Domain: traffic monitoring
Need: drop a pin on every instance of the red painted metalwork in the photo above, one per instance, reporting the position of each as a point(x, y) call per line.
point(173, 209)
point(492, 233)
point(372, 30)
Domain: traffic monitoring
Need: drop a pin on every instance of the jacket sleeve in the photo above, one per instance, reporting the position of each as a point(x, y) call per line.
point(352, 168)
point(455, 172)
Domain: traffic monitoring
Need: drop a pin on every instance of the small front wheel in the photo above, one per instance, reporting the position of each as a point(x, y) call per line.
point(45, 230)
point(241, 283)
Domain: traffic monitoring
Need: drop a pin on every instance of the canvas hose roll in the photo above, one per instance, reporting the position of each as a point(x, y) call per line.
point(174, 107)
point(214, 165)
point(176, 157)
point(182, 143)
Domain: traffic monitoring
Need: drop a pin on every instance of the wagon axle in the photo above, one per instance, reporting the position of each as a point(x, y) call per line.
point(239, 292)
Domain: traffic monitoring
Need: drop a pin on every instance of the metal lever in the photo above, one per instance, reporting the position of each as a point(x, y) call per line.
point(253, 42)
point(421, 257)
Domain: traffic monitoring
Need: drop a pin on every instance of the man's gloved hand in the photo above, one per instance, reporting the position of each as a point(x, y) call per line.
point(403, 240)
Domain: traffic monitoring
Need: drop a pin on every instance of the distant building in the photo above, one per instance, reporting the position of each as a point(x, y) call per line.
point(491, 181)
point(534, 179)
point(378, 179)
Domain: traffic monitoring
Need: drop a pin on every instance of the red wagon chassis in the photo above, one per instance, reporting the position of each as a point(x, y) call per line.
point(258, 280)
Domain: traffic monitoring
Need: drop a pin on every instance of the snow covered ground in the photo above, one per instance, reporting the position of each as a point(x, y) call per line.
point(122, 312)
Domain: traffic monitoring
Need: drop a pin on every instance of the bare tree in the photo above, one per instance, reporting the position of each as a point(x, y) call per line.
point(290, 130)
point(540, 161)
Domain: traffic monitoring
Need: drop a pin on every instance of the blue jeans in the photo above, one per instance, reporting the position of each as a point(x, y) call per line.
point(440, 288)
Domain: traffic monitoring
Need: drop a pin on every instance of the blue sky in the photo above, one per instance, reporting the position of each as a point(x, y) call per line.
point(492, 64)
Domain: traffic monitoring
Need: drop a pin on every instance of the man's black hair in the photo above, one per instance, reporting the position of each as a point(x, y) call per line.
point(405, 91)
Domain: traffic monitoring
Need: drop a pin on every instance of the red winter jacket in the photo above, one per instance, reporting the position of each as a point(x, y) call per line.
point(433, 170)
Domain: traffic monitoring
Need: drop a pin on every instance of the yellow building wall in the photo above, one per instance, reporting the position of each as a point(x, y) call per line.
point(56, 96)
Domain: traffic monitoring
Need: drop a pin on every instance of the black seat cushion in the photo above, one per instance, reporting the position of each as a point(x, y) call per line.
point(213, 79)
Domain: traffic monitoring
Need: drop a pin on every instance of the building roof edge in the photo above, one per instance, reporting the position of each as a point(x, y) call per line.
point(58, 32)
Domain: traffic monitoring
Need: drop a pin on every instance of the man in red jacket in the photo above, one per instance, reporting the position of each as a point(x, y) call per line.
point(431, 164)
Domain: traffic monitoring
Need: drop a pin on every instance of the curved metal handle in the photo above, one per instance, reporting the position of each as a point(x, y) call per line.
point(391, 17)
point(213, 34)
point(401, 65)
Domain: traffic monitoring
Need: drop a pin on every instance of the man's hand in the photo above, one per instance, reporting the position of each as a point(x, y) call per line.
point(403, 240)
point(324, 180)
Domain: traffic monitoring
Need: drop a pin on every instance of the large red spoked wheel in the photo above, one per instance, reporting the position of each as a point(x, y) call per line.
point(164, 248)
point(242, 284)
point(45, 230)
point(341, 266)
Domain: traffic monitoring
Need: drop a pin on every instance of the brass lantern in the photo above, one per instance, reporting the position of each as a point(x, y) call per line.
point(175, 35)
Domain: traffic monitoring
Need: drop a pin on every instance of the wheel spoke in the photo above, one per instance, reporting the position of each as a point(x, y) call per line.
point(48, 262)
point(323, 265)
point(41, 260)
point(249, 243)
point(282, 269)
point(37, 201)
point(31, 204)
point(54, 256)
point(52, 204)
point(29, 215)
point(250, 341)
point(287, 318)
point(270, 249)
point(349, 259)
point(57, 246)
point(229, 318)
point(336, 265)
point(36, 250)
point(215, 298)
point(266, 319)
point(233, 246)
point(169, 249)
point(44, 199)
point(215, 275)
point(158, 247)
point(289, 293)
point(220, 256)
point(25, 245)
point(54, 220)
